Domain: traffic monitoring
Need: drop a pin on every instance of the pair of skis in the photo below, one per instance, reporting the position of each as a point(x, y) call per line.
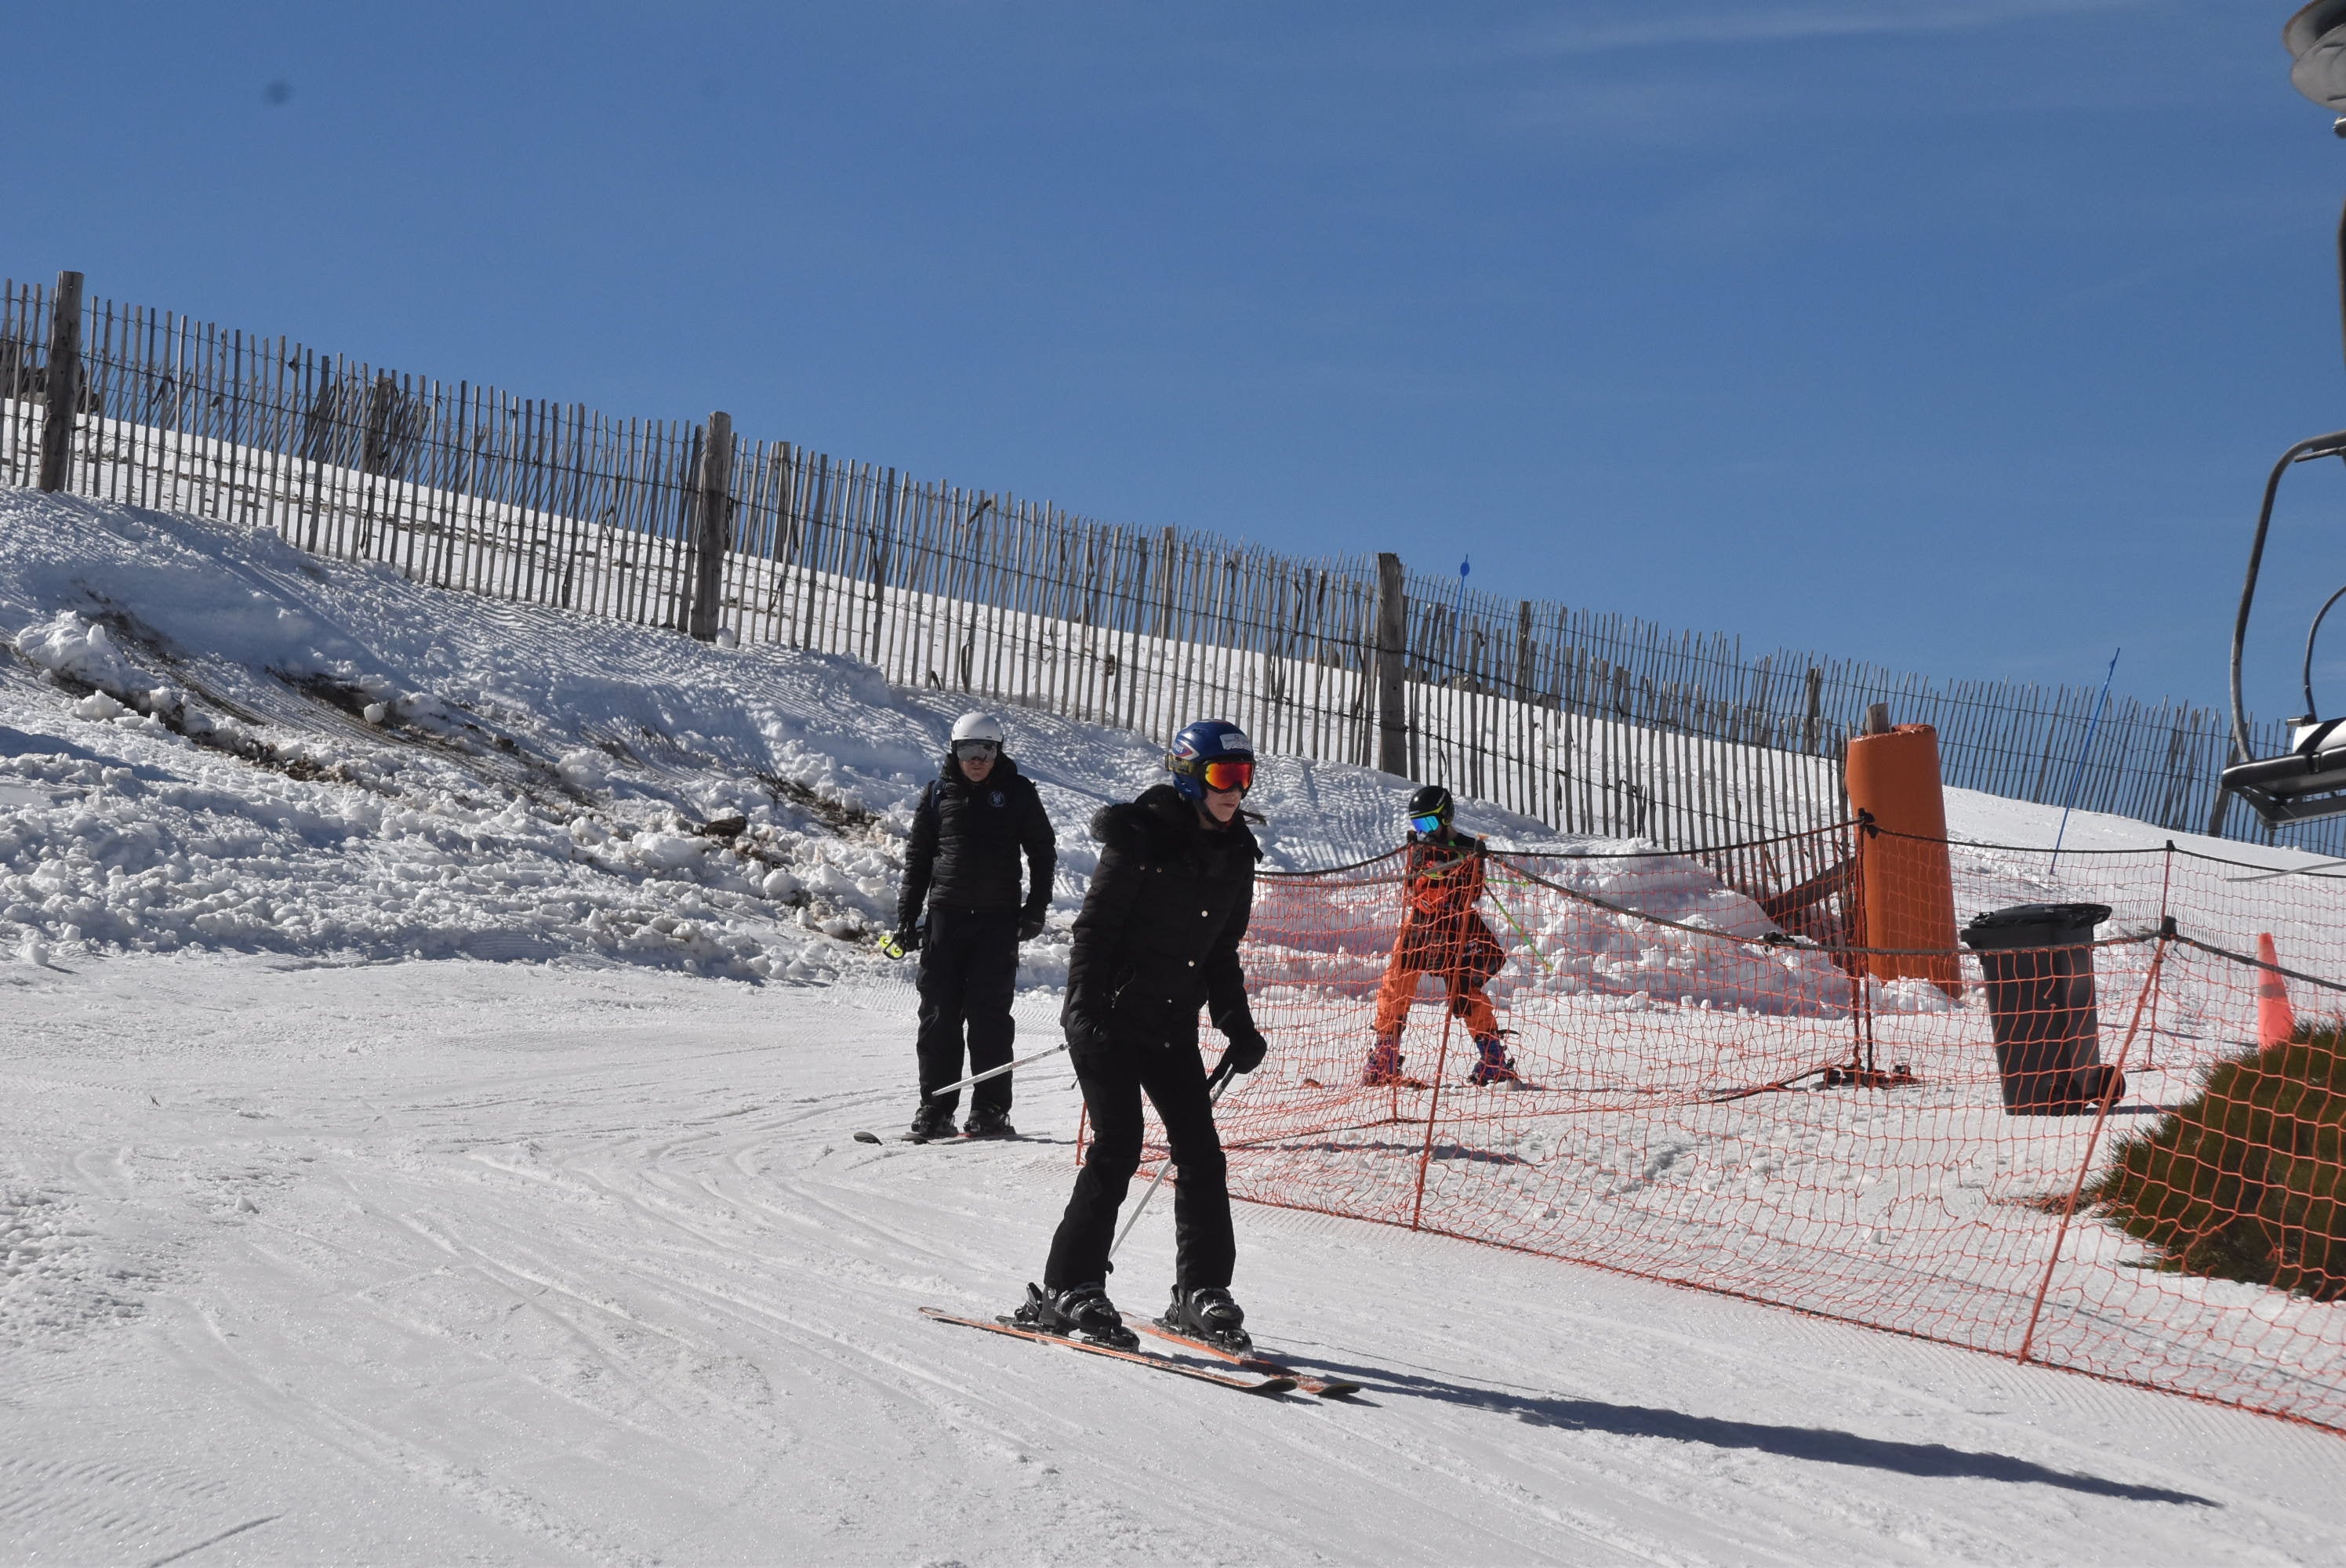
point(1273, 1378)
point(867, 1137)
point(1517, 1084)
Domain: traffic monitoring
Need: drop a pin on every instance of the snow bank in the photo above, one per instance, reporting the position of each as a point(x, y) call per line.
point(210, 739)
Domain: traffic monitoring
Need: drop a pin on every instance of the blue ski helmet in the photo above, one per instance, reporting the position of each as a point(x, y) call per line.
point(1208, 740)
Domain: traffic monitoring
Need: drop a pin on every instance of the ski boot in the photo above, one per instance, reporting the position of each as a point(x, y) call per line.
point(1211, 1315)
point(1384, 1069)
point(931, 1121)
point(1492, 1065)
point(988, 1122)
point(1076, 1312)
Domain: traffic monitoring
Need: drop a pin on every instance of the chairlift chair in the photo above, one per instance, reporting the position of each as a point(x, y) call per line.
point(2308, 780)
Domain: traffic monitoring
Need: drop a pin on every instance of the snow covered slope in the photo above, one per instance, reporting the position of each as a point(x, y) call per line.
point(321, 1238)
point(532, 1263)
point(209, 739)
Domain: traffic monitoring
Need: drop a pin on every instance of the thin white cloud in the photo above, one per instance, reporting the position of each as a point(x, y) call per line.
point(1760, 23)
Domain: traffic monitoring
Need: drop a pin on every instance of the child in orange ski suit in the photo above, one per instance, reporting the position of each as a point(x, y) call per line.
point(1440, 933)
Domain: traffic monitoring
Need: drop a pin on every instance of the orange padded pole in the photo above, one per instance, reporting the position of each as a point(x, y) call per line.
point(1906, 898)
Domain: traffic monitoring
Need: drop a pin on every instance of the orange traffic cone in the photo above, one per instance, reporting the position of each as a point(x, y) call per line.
point(2276, 1020)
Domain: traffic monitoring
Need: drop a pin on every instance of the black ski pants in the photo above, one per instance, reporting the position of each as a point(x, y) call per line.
point(969, 972)
point(1174, 1078)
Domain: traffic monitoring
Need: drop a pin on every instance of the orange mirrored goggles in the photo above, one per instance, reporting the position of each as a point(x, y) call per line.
point(1227, 775)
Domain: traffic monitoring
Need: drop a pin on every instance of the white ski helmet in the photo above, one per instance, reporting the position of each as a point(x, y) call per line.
point(977, 727)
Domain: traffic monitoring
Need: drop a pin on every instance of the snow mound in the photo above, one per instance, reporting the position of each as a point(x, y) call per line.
point(212, 739)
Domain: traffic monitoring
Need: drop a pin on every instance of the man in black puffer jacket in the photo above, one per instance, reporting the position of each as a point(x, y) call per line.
point(968, 832)
point(1158, 937)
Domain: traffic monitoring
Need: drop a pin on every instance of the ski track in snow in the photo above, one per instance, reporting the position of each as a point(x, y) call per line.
point(524, 1264)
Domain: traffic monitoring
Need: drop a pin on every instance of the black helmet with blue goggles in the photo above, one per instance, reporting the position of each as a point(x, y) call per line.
point(1430, 808)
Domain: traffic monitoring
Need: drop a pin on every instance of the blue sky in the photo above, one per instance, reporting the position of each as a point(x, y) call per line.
point(1953, 336)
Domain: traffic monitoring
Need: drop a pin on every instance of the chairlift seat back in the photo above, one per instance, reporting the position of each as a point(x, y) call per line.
point(2305, 782)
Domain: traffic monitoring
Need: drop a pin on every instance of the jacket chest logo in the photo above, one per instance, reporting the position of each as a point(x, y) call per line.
point(994, 798)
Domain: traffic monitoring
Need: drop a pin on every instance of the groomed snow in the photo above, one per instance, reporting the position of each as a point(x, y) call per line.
point(429, 1262)
point(381, 1180)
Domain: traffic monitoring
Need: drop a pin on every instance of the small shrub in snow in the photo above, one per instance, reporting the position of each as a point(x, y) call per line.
point(2248, 1180)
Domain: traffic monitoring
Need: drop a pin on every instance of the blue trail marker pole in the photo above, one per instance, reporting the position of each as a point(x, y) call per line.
point(2077, 775)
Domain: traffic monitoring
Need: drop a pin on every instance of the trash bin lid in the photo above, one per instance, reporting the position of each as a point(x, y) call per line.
point(2035, 925)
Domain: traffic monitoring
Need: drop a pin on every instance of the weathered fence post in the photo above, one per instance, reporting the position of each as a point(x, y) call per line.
point(1524, 650)
point(1167, 541)
point(710, 515)
point(64, 382)
point(1392, 648)
point(879, 546)
point(2217, 813)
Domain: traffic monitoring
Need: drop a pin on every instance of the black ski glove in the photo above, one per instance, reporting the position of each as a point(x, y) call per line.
point(1029, 929)
point(1244, 1054)
point(1087, 1041)
point(905, 940)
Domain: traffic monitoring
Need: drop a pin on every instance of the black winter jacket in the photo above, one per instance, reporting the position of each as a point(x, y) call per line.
point(967, 840)
point(1158, 934)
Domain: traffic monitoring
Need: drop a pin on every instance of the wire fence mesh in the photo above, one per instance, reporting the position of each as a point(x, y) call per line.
point(1593, 722)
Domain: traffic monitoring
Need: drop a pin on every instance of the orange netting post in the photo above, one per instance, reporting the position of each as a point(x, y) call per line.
point(1432, 1112)
point(1906, 898)
point(2086, 1161)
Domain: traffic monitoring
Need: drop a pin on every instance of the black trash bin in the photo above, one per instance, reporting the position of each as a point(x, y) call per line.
point(2039, 967)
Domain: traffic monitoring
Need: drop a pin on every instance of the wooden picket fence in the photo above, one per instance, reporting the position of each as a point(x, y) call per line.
point(1591, 722)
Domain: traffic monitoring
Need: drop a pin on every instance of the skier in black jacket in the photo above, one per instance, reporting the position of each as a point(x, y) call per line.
point(1158, 937)
point(968, 831)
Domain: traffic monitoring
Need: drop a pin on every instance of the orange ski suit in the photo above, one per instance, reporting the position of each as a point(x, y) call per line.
point(1441, 934)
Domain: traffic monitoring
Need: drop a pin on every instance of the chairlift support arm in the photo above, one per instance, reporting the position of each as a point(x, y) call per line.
point(2330, 446)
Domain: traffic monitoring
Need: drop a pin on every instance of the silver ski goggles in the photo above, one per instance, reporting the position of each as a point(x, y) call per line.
point(971, 751)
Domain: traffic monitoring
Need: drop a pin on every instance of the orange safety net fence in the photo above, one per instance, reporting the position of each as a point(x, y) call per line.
point(1714, 1084)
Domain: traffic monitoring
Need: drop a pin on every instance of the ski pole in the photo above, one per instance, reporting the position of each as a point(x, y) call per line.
point(996, 1071)
point(1222, 1083)
point(1529, 946)
point(2082, 753)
